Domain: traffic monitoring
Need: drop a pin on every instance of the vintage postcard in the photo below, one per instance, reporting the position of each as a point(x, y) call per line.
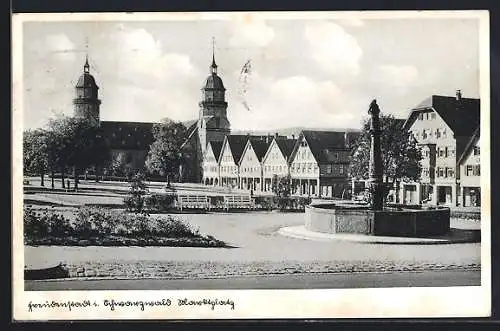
point(251, 165)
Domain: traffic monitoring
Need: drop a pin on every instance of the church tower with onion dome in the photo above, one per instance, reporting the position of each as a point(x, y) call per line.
point(213, 124)
point(86, 102)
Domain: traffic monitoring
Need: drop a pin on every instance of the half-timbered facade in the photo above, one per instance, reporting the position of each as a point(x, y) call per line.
point(275, 161)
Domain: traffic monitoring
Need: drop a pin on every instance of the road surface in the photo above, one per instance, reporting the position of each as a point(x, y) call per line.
point(308, 281)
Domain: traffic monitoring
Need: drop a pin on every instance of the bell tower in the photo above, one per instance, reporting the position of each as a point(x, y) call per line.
point(213, 124)
point(86, 102)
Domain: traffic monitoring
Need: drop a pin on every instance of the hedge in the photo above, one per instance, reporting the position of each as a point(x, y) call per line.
point(108, 226)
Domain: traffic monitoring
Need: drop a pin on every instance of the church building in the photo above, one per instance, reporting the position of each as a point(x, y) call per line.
point(130, 141)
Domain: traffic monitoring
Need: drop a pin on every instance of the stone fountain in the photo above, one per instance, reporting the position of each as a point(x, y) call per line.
point(377, 219)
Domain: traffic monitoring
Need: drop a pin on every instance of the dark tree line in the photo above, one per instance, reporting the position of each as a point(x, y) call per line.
point(66, 145)
point(70, 145)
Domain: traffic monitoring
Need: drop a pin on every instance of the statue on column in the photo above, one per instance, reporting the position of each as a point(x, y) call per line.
point(375, 167)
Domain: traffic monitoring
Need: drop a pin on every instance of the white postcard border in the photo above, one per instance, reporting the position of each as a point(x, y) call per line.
point(473, 301)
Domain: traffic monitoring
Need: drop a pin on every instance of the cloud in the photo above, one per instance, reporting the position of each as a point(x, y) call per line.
point(398, 75)
point(332, 48)
point(140, 53)
point(290, 102)
point(56, 47)
point(249, 30)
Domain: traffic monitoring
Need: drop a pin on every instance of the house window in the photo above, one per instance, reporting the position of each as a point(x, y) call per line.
point(424, 134)
point(421, 116)
point(438, 133)
point(341, 169)
point(450, 172)
point(477, 170)
point(451, 152)
point(441, 152)
point(476, 150)
point(433, 116)
point(440, 172)
point(469, 170)
point(444, 133)
point(328, 168)
point(425, 172)
point(336, 156)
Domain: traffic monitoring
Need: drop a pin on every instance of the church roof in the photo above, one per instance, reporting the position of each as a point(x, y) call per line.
point(214, 82)
point(128, 135)
point(462, 116)
point(86, 80)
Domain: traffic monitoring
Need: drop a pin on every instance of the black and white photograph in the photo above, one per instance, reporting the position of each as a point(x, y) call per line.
point(232, 165)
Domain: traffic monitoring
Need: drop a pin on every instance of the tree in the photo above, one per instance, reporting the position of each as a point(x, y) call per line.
point(400, 154)
point(281, 189)
point(35, 158)
point(77, 145)
point(166, 153)
point(134, 201)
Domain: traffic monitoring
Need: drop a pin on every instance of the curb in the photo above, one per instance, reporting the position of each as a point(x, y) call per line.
point(300, 232)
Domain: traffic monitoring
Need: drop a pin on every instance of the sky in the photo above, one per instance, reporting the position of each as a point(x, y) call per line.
point(318, 73)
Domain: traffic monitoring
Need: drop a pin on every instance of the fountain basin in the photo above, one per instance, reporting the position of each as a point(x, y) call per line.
point(414, 221)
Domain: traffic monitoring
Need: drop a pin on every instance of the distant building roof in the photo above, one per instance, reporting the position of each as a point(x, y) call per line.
point(128, 135)
point(461, 115)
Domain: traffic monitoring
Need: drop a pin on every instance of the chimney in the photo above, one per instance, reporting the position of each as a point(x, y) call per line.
point(459, 95)
point(293, 136)
point(276, 135)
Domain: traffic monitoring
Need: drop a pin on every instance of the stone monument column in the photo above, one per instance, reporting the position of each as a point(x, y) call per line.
point(375, 168)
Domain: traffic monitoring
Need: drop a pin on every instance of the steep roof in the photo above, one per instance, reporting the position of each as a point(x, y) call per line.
point(237, 144)
point(286, 146)
point(192, 130)
point(470, 145)
point(216, 148)
point(259, 146)
point(189, 124)
point(128, 135)
point(322, 143)
point(462, 116)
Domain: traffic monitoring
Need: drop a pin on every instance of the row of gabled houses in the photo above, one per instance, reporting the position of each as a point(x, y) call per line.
point(446, 129)
point(316, 161)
